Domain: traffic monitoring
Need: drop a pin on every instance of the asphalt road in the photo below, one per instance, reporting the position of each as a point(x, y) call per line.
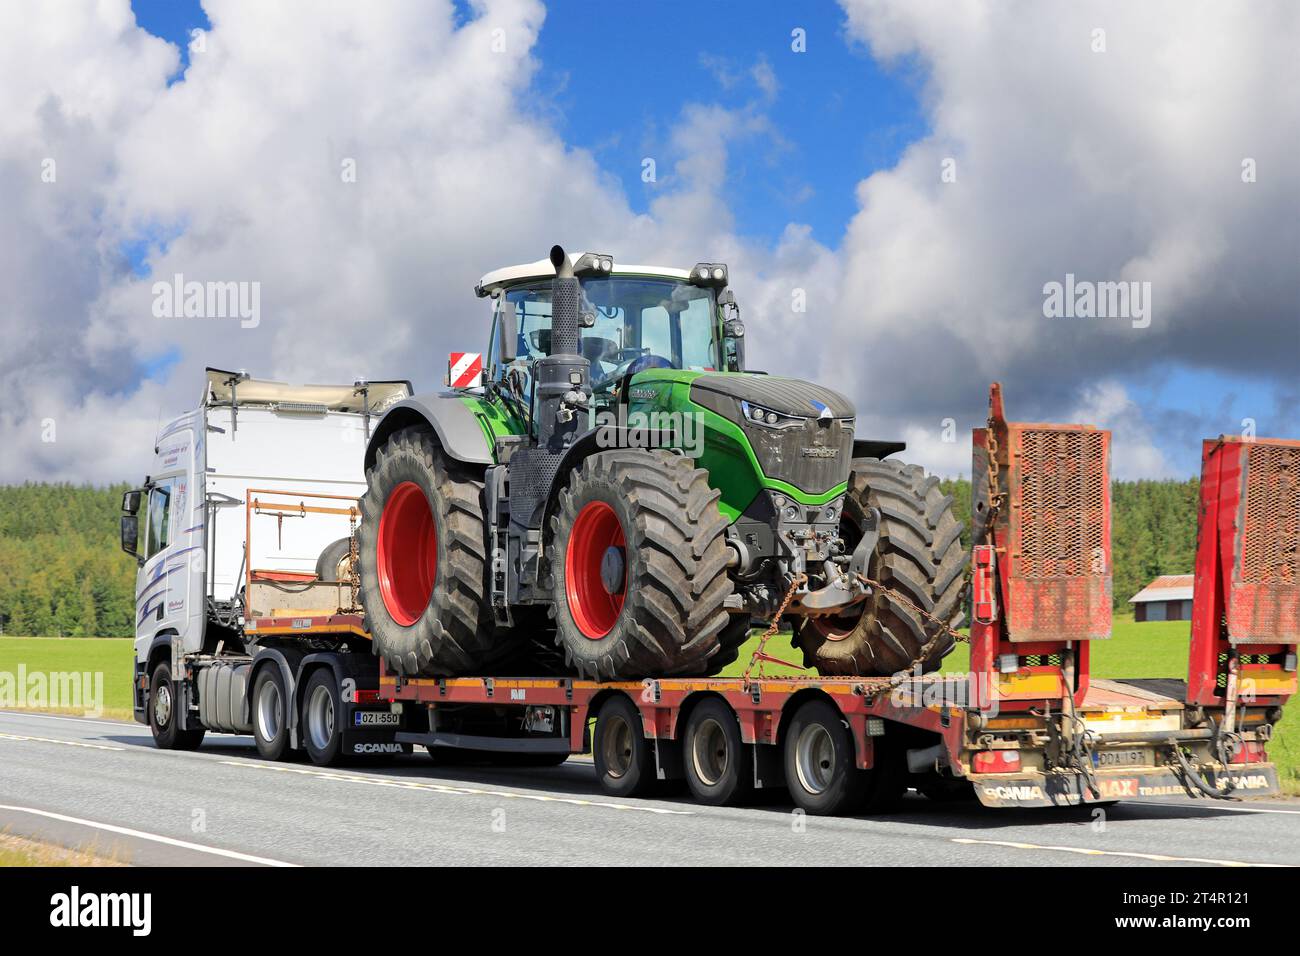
point(78, 781)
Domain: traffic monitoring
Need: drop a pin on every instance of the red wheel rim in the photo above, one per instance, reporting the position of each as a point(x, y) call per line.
point(407, 553)
point(594, 609)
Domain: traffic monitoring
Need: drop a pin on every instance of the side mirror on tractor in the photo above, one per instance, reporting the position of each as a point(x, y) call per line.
point(507, 334)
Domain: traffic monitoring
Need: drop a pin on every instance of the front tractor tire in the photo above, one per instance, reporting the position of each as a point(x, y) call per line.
point(423, 556)
point(638, 567)
point(919, 557)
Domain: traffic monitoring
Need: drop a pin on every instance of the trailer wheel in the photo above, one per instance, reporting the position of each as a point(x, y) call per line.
point(625, 762)
point(270, 714)
point(719, 766)
point(163, 703)
point(821, 769)
point(423, 556)
point(322, 713)
point(637, 557)
point(919, 555)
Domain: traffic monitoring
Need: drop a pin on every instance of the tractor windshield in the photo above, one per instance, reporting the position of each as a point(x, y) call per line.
point(636, 324)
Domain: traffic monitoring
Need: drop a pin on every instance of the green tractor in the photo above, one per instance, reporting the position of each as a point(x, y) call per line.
point(622, 495)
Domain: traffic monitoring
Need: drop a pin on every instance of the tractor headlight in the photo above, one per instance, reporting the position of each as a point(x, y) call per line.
point(712, 274)
point(766, 416)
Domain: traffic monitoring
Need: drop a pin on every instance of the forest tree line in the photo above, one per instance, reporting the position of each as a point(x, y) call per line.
point(63, 574)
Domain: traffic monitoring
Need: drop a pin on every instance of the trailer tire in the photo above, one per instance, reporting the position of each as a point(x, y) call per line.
point(322, 715)
point(624, 757)
point(919, 555)
point(423, 556)
point(719, 765)
point(271, 714)
point(162, 714)
point(638, 565)
point(821, 770)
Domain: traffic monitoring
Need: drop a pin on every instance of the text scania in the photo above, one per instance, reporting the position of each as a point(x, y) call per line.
point(75, 909)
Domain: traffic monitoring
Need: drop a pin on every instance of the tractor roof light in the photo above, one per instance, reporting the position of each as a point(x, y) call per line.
point(712, 275)
point(593, 264)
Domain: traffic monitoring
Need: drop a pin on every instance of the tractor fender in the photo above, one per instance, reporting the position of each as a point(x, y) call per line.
point(598, 439)
point(875, 448)
point(458, 429)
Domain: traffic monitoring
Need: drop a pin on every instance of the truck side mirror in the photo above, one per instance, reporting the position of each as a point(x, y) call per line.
point(131, 533)
point(508, 334)
point(131, 502)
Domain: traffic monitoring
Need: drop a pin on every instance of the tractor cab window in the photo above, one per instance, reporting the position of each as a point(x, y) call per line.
point(635, 324)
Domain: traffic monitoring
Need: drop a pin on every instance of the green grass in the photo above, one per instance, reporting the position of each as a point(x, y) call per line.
point(1153, 649)
point(110, 656)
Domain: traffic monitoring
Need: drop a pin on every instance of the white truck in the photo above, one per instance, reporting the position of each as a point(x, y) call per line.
point(246, 610)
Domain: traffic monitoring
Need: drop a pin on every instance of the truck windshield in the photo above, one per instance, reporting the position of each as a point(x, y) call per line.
point(639, 323)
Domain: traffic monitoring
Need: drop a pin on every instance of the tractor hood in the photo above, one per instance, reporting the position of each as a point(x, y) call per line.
point(786, 396)
point(807, 442)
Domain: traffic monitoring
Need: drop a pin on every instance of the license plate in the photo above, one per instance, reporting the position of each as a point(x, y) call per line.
point(1121, 758)
point(375, 718)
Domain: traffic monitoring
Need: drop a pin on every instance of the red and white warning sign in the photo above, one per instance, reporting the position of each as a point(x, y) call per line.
point(465, 369)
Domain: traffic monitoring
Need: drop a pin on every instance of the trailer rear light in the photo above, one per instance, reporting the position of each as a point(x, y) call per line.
point(1288, 663)
point(1008, 663)
point(1249, 751)
point(875, 727)
point(366, 696)
point(997, 761)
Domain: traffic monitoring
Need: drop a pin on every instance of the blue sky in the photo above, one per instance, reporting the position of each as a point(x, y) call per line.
point(616, 79)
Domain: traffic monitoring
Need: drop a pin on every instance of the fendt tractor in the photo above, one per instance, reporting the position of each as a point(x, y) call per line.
point(622, 489)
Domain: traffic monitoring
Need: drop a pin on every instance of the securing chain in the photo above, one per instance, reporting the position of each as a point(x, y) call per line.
point(354, 575)
point(759, 656)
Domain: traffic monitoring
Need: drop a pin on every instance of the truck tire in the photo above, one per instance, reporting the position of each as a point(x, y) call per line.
point(271, 714)
point(624, 758)
point(423, 556)
point(163, 703)
point(328, 564)
point(919, 555)
point(322, 715)
point(719, 765)
point(821, 770)
point(638, 566)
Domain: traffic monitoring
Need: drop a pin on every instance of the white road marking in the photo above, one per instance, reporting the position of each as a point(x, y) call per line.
point(1086, 851)
point(153, 837)
point(55, 740)
point(452, 790)
point(1214, 807)
point(81, 720)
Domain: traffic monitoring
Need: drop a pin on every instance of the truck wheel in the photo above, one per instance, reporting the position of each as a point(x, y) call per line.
point(719, 766)
point(821, 769)
point(163, 704)
point(624, 758)
point(422, 550)
point(638, 566)
point(322, 713)
point(330, 565)
point(919, 555)
point(270, 714)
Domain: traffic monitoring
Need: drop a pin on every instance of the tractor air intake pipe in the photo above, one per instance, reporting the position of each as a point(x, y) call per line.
point(563, 376)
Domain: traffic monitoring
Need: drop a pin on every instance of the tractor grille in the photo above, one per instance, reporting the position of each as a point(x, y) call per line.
point(1270, 551)
point(814, 457)
point(1062, 520)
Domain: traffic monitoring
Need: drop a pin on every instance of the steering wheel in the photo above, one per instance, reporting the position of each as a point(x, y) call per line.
point(639, 361)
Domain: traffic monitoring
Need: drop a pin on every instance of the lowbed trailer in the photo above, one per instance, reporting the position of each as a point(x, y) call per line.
point(1026, 726)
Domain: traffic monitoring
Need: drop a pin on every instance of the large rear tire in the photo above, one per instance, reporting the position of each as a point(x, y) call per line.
point(638, 563)
point(423, 554)
point(919, 555)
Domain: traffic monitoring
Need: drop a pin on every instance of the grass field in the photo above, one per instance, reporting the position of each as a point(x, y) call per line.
point(1157, 649)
